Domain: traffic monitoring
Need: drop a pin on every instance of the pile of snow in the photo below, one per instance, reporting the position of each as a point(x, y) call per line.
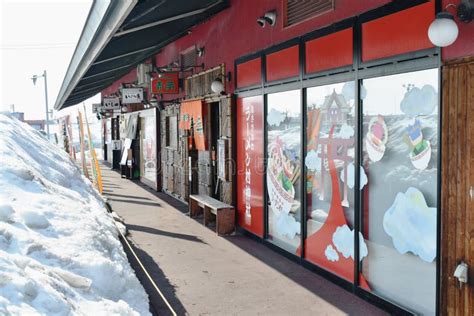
point(59, 250)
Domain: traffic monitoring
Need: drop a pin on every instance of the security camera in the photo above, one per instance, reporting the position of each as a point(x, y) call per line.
point(270, 17)
point(261, 21)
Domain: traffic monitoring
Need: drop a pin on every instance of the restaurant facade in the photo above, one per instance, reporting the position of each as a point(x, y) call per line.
point(336, 129)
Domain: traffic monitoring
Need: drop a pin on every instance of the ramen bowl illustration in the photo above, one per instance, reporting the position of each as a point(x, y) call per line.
point(280, 188)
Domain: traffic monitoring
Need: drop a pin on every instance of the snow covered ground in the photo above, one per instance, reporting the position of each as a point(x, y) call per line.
point(59, 250)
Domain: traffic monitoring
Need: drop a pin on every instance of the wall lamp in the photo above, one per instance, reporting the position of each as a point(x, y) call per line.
point(217, 86)
point(444, 31)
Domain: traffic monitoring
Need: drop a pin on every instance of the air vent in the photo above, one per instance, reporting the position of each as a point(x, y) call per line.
point(297, 11)
point(188, 58)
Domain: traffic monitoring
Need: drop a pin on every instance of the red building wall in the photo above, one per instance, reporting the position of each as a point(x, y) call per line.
point(464, 45)
point(234, 32)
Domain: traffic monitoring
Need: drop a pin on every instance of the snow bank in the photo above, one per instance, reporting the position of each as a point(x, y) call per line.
point(59, 250)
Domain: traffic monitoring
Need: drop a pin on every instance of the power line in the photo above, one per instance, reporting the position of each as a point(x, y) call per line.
point(39, 46)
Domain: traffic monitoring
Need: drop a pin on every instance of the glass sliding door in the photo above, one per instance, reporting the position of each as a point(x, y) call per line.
point(399, 215)
point(284, 123)
point(330, 174)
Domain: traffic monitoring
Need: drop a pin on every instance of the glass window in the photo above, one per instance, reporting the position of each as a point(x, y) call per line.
point(284, 169)
point(400, 147)
point(330, 172)
point(148, 161)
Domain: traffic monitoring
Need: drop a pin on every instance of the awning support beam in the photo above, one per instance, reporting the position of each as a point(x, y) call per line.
point(107, 71)
point(124, 55)
point(173, 18)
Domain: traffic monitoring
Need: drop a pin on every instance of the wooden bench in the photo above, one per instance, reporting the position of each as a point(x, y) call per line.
point(224, 213)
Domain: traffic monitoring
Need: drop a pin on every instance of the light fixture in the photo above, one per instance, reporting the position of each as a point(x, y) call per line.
point(444, 31)
point(217, 86)
point(124, 108)
point(154, 101)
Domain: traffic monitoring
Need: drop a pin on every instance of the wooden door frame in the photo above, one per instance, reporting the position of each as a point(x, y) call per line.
point(457, 229)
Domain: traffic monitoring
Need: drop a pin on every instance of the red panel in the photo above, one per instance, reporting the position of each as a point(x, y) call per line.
point(249, 73)
point(464, 44)
point(283, 64)
point(398, 33)
point(331, 51)
point(250, 164)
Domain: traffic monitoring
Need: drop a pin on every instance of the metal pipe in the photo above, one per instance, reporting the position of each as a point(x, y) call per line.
point(46, 101)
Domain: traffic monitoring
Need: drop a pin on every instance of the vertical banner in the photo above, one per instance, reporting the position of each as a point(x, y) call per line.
point(250, 164)
point(196, 111)
point(81, 140)
point(72, 149)
point(96, 174)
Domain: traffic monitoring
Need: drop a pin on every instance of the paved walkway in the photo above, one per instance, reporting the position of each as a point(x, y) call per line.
point(203, 274)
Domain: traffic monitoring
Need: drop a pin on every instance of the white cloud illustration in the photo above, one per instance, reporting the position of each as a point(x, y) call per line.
point(419, 101)
point(274, 117)
point(348, 90)
point(412, 225)
point(331, 254)
point(312, 161)
point(286, 225)
point(345, 132)
point(351, 176)
point(343, 239)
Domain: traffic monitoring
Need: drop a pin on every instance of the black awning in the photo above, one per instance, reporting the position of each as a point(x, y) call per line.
point(138, 34)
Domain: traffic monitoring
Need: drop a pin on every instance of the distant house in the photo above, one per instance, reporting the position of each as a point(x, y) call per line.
point(37, 124)
point(334, 110)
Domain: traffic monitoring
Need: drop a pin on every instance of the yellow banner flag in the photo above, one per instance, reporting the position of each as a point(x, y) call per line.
point(96, 173)
point(81, 140)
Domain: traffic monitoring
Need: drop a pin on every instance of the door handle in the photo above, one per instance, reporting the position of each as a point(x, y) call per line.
point(471, 192)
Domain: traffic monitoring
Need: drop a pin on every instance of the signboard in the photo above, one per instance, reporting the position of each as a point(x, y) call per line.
point(116, 144)
point(96, 107)
point(126, 147)
point(132, 95)
point(222, 159)
point(166, 84)
point(250, 168)
point(111, 104)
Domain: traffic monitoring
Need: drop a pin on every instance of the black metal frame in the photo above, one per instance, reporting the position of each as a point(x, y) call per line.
point(357, 72)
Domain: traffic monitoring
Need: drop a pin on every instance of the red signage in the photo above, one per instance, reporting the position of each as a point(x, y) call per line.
point(250, 164)
point(165, 84)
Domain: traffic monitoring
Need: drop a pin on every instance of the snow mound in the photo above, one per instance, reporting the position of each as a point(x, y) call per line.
point(412, 224)
point(59, 249)
point(6, 213)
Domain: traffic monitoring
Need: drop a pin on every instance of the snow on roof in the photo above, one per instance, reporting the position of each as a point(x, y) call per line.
point(59, 249)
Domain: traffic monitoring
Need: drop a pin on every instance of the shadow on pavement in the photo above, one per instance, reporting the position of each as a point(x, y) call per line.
point(164, 233)
point(136, 202)
point(157, 304)
point(127, 196)
point(344, 300)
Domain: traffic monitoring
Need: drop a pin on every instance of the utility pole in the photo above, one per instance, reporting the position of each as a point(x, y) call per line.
point(34, 78)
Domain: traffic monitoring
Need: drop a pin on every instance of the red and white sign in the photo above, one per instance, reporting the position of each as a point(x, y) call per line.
point(166, 84)
point(250, 169)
